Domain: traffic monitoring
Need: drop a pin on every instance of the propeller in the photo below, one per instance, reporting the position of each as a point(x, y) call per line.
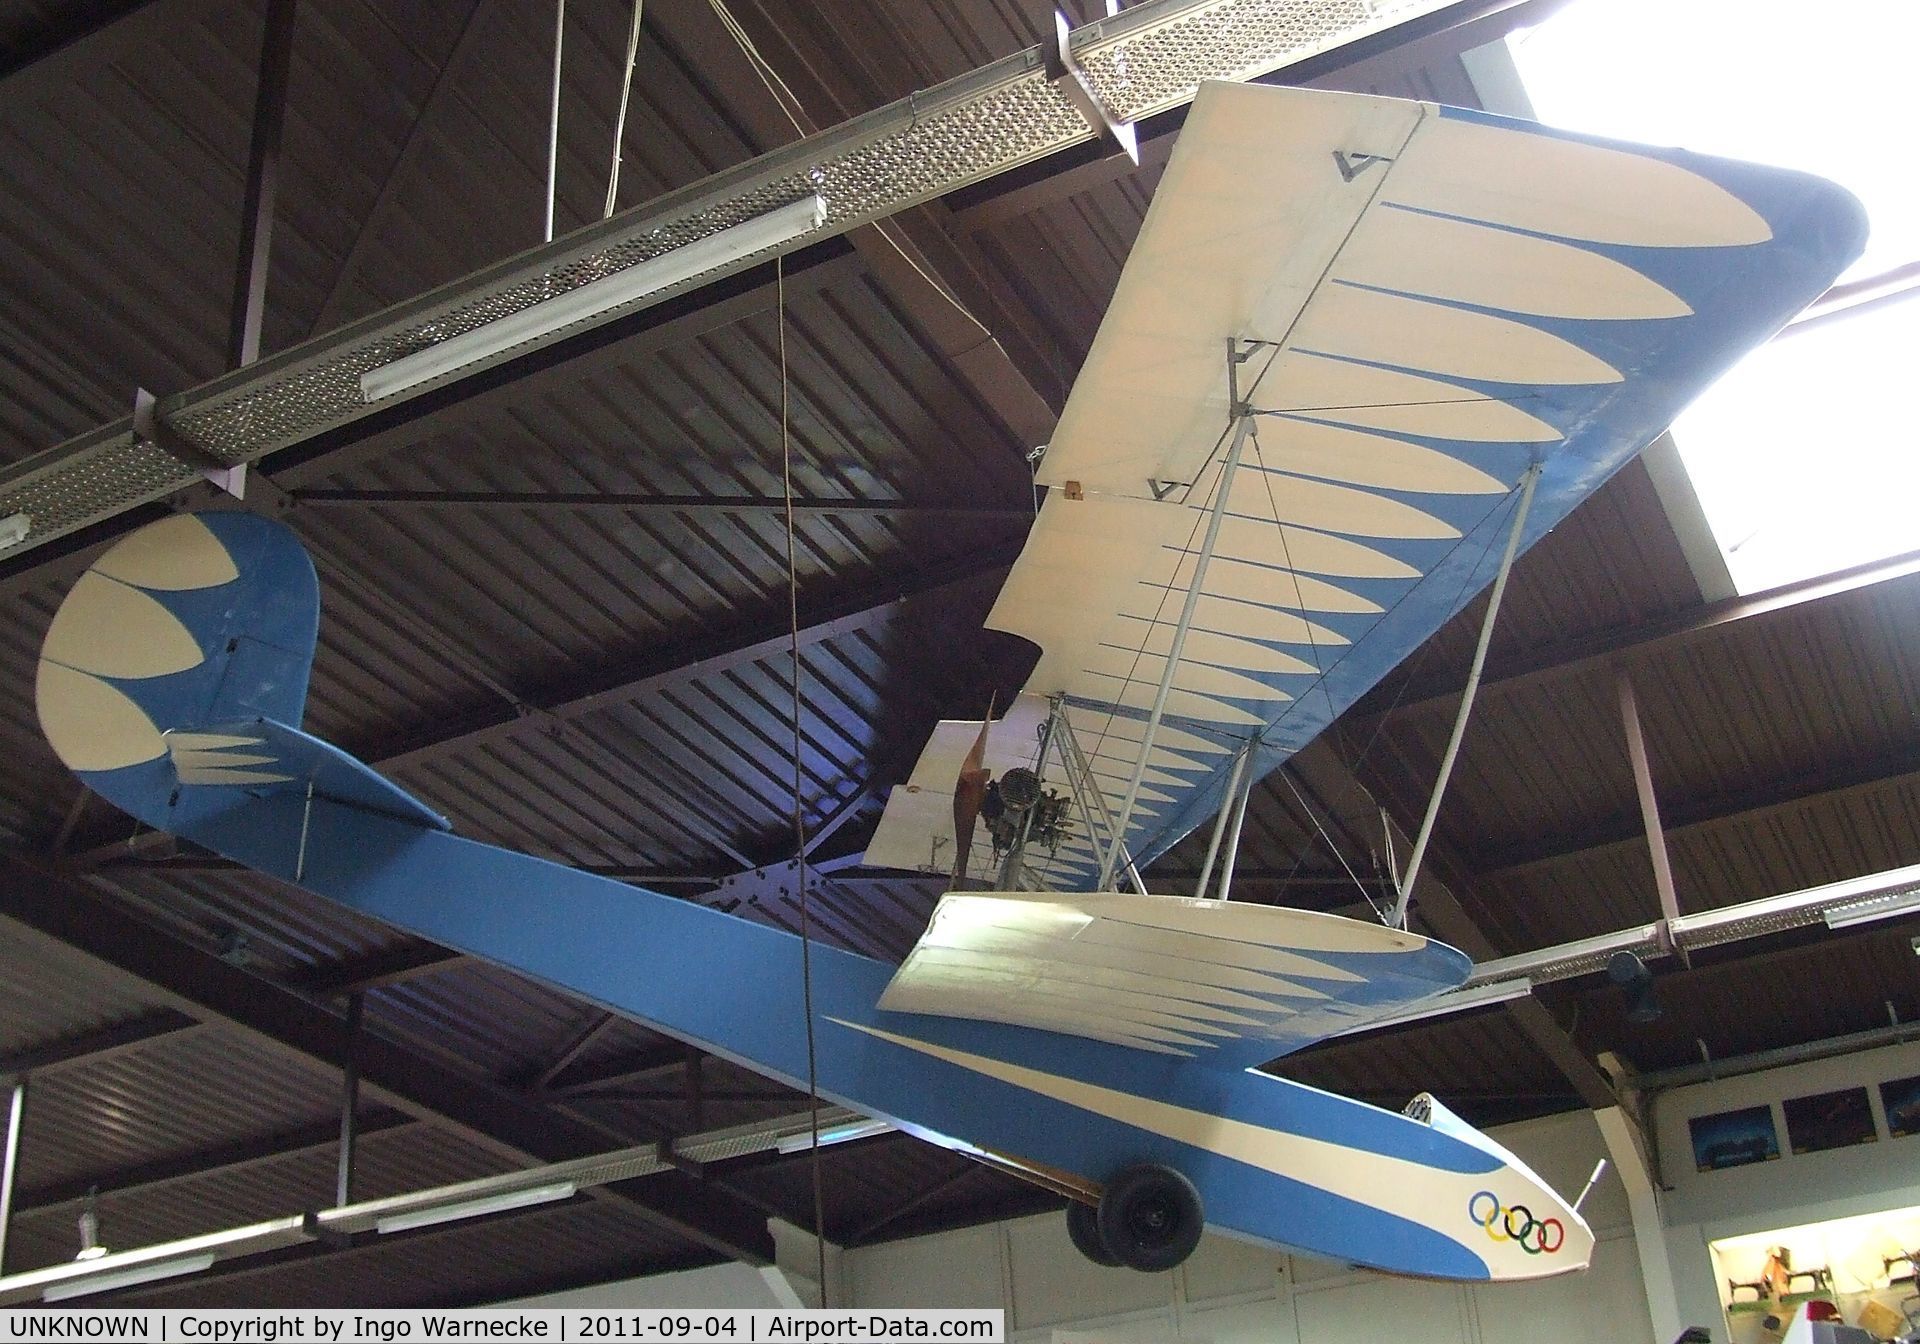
point(969, 795)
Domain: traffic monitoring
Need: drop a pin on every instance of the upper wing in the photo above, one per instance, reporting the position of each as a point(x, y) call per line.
point(1236, 984)
point(1444, 298)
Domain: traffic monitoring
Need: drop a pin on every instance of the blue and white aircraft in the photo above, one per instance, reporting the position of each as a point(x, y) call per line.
point(1449, 328)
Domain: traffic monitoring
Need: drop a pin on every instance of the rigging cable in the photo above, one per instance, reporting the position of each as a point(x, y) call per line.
point(799, 810)
point(553, 124)
point(620, 121)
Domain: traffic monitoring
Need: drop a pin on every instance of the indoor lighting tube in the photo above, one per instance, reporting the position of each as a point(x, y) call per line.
point(88, 1284)
point(859, 1129)
point(596, 297)
point(1872, 908)
point(474, 1208)
point(1453, 1001)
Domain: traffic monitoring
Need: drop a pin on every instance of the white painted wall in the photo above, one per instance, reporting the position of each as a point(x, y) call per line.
point(716, 1286)
point(1228, 1293)
point(1702, 1207)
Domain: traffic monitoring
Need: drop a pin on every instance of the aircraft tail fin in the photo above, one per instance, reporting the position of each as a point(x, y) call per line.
point(196, 624)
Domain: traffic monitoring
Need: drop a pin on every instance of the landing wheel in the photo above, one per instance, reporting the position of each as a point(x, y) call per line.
point(1084, 1230)
point(1149, 1218)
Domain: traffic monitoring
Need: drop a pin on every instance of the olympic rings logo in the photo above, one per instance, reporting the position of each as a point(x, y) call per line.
point(1516, 1224)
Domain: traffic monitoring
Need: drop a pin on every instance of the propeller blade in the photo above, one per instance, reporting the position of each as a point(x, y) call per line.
point(969, 795)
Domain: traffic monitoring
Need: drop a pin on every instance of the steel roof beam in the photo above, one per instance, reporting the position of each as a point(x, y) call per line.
point(1147, 59)
point(85, 41)
point(1835, 784)
point(148, 1177)
point(918, 257)
point(97, 1044)
point(397, 965)
point(201, 985)
point(670, 505)
point(452, 68)
point(767, 636)
point(496, 392)
point(1662, 635)
point(1441, 911)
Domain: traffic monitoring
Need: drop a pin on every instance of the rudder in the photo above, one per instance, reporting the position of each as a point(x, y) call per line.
point(195, 620)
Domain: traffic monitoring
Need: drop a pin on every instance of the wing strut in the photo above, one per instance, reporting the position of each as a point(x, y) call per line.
point(1081, 780)
point(1235, 800)
point(1532, 478)
point(1242, 424)
point(1240, 763)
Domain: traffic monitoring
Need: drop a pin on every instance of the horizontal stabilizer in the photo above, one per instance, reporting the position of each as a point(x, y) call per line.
point(262, 756)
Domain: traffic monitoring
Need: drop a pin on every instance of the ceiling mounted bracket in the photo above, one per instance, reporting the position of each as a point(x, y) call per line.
point(150, 425)
point(1064, 69)
point(669, 1155)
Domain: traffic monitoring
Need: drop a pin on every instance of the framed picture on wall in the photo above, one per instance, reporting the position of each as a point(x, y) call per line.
point(1901, 1101)
point(1829, 1120)
point(1734, 1138)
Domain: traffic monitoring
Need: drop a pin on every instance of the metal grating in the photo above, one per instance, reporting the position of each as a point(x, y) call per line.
point(1151, 58)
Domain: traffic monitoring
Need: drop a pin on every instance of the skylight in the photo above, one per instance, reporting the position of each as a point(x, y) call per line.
point(1805, 457)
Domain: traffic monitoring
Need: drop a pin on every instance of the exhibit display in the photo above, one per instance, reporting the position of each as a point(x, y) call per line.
point(1454, 328)
point(1863, 1266)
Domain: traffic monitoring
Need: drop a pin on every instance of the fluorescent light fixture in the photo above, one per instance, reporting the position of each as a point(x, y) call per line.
point(859, 1129)
point(1872, 908)
point(87, 1284)
point(595, 298)
point(474, 1208)
point(13, 529)
point(1454, 1001)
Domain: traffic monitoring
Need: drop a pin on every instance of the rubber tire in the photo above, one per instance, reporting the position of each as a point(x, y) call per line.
point(1083, 1229)
point(1150, 1218)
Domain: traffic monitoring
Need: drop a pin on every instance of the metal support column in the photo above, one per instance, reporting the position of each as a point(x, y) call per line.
point(693, 1086)
point(1649, 811)
point(1630, 1159)
point(263, 169)
point(1242, 426)
point(1527, 484)
point(1081, 770)
point(553, 120)
point(1220, 822)
point(10, 1163)
point(1245, 791)
point(349, 1103)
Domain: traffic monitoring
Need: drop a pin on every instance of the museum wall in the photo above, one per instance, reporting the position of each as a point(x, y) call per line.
point(1790, 1189)
point(1230, 1292)
point(1227, 1293)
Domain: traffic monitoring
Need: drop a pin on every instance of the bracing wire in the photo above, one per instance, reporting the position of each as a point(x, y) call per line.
point(796, 114)
point(789, 104)
point(553, 122)
point(799, 808)
point(620, 121)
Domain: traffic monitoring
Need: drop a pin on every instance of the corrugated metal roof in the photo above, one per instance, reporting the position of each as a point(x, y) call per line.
point(180, 1094)
point(48, 994)
point(386, 1162)
point(522, 665)
point(460, 1264)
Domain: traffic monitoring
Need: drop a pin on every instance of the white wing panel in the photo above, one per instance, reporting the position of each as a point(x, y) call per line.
point(1049, 962)
point(1427, 302)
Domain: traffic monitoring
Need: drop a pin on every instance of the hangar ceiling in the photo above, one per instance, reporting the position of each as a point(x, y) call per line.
point(556, 609)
